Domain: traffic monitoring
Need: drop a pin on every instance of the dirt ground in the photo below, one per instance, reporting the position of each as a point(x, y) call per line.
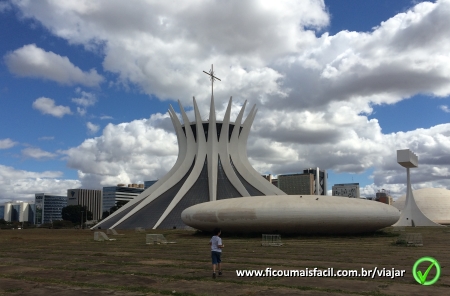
point(70, 262)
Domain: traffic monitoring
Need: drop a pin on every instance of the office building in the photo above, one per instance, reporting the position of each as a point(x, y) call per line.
point(18, 211)
point(119, 195)
point(384, 197)
point(90, 198)
point(48, 207)
point(293, 184)
point(347, 189)
point(320, 180)
point(149, 183)
point(304, 184)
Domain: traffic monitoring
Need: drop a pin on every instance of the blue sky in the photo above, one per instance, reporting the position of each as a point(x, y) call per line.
point(85, 87)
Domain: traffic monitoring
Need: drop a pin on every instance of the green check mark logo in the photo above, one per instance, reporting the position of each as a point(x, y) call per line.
point(420, 277)
point(424, 277)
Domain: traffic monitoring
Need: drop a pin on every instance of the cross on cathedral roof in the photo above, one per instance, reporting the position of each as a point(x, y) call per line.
point(212, 77)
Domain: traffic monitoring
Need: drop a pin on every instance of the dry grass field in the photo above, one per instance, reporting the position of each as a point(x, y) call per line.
point(70, 262)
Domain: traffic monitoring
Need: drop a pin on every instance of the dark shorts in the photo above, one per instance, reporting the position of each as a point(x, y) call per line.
point(215, 256)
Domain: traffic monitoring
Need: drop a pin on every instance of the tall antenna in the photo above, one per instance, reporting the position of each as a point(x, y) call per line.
point(212, 77)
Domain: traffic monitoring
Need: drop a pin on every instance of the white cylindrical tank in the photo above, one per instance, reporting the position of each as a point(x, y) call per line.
point(291, 214)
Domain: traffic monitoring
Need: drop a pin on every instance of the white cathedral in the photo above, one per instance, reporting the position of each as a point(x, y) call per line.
point(212, 165)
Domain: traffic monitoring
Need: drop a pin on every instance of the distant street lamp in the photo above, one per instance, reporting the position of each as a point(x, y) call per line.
point(51, 217)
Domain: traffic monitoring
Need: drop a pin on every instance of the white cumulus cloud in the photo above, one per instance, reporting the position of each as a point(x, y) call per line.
point(86, 99)
point(314, 91)
point(7, 143)
point(32, 61)
point(125, 153)
point(160, 46)
point(93, 128)
point(37, 153)
point(47, 106)
point(81, 111)
point(22, 185)
point(444, 108)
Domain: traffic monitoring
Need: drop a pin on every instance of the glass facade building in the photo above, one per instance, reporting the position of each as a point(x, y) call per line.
point(31, 213)
point(114, 194)
point(48, 207)
point(2, 211)
point(149, 183)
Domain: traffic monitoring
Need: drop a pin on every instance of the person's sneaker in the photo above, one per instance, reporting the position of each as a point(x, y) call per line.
point(220, 273)
point(214, 275)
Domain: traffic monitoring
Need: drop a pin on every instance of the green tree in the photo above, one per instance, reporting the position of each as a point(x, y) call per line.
point(118, 205)
point(105, 214)
point(73, 213)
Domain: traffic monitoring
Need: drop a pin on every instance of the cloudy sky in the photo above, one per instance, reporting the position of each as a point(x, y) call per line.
point(85, 87)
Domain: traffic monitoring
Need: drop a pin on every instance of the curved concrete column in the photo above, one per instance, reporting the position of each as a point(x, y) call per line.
point(212, 155)
point(225, 154)
point(235, 155)
point(242, 148)
point(182, 150)
point(173, 177)
point(198, 166)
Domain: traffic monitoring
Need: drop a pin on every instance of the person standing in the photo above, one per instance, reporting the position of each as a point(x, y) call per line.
point(216, 251)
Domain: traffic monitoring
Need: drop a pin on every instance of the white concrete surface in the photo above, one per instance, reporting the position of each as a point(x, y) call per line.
point(433, 202)
point(291, 214)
